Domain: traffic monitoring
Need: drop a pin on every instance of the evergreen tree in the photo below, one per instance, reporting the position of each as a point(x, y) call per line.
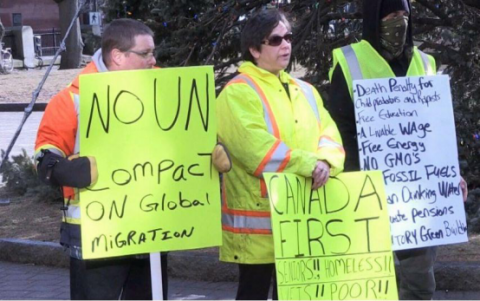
point(192, 32)
point(199, 32)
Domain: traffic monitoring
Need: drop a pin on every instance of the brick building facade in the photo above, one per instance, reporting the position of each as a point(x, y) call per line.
point(41, 15)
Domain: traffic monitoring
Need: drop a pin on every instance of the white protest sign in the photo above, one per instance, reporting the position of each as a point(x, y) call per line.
point(405, 128)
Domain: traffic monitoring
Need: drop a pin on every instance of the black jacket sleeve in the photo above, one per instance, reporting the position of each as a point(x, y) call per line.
point(58, 171)
point(340, 106)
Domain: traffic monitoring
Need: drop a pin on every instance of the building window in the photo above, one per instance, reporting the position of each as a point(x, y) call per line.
point(17, 19)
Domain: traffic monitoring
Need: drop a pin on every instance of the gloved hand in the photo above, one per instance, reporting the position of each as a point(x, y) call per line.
point(221, 158)
point(74, 171)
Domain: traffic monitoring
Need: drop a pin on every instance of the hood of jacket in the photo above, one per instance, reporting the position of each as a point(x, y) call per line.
point(371, 23)
point(96, 65)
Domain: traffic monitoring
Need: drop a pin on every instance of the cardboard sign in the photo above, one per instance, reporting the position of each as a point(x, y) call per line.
point(332, 243)
point(152, 133)
point(406, 129)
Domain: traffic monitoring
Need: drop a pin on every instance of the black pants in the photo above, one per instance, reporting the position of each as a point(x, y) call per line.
point(254, 282)
point(415, 273)
point(127, 278)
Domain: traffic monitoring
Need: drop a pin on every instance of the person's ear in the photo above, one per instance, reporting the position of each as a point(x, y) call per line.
point(254, 52)
point(117, 57)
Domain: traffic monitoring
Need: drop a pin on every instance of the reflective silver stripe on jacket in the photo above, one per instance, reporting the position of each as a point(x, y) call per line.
point(73, 211)
point(308, 92)
point(266, 116)
point(352, 62)
point(328, 142)
point(76, 102)
point(278, 156)
point(51, 149)
point(246, 222)
point(426, 63)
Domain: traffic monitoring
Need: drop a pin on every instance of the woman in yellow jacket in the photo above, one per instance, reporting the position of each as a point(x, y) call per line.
point(270, 122)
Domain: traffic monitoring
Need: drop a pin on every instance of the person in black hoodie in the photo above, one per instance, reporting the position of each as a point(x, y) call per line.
point(386, 50)
point(339, 103)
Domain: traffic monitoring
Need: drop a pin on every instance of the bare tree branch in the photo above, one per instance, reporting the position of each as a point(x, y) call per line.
point(220, 36)
point(431, 6)
point(472, 3)
point(431, 21)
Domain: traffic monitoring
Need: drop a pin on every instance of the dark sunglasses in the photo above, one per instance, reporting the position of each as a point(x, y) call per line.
point(277, 40)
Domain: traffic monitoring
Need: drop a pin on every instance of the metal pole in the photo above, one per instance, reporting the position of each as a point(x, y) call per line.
point(156, 274)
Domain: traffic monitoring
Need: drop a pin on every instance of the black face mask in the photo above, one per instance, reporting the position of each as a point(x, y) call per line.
point(393, 35)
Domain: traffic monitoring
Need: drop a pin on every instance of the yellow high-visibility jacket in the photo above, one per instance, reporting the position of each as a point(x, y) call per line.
point(265, 130)
point(361, 61)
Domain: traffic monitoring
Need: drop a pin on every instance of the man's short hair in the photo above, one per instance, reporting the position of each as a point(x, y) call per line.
point(120, 34)
point(258, 28)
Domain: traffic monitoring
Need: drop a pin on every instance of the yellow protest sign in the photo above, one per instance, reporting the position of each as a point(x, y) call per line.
point(152, 133)
point(332, 243)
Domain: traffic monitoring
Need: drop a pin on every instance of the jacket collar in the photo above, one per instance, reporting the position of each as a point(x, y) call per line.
point(252, 70)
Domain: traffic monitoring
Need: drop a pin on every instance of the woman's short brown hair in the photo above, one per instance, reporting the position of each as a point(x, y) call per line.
point(258, 28)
